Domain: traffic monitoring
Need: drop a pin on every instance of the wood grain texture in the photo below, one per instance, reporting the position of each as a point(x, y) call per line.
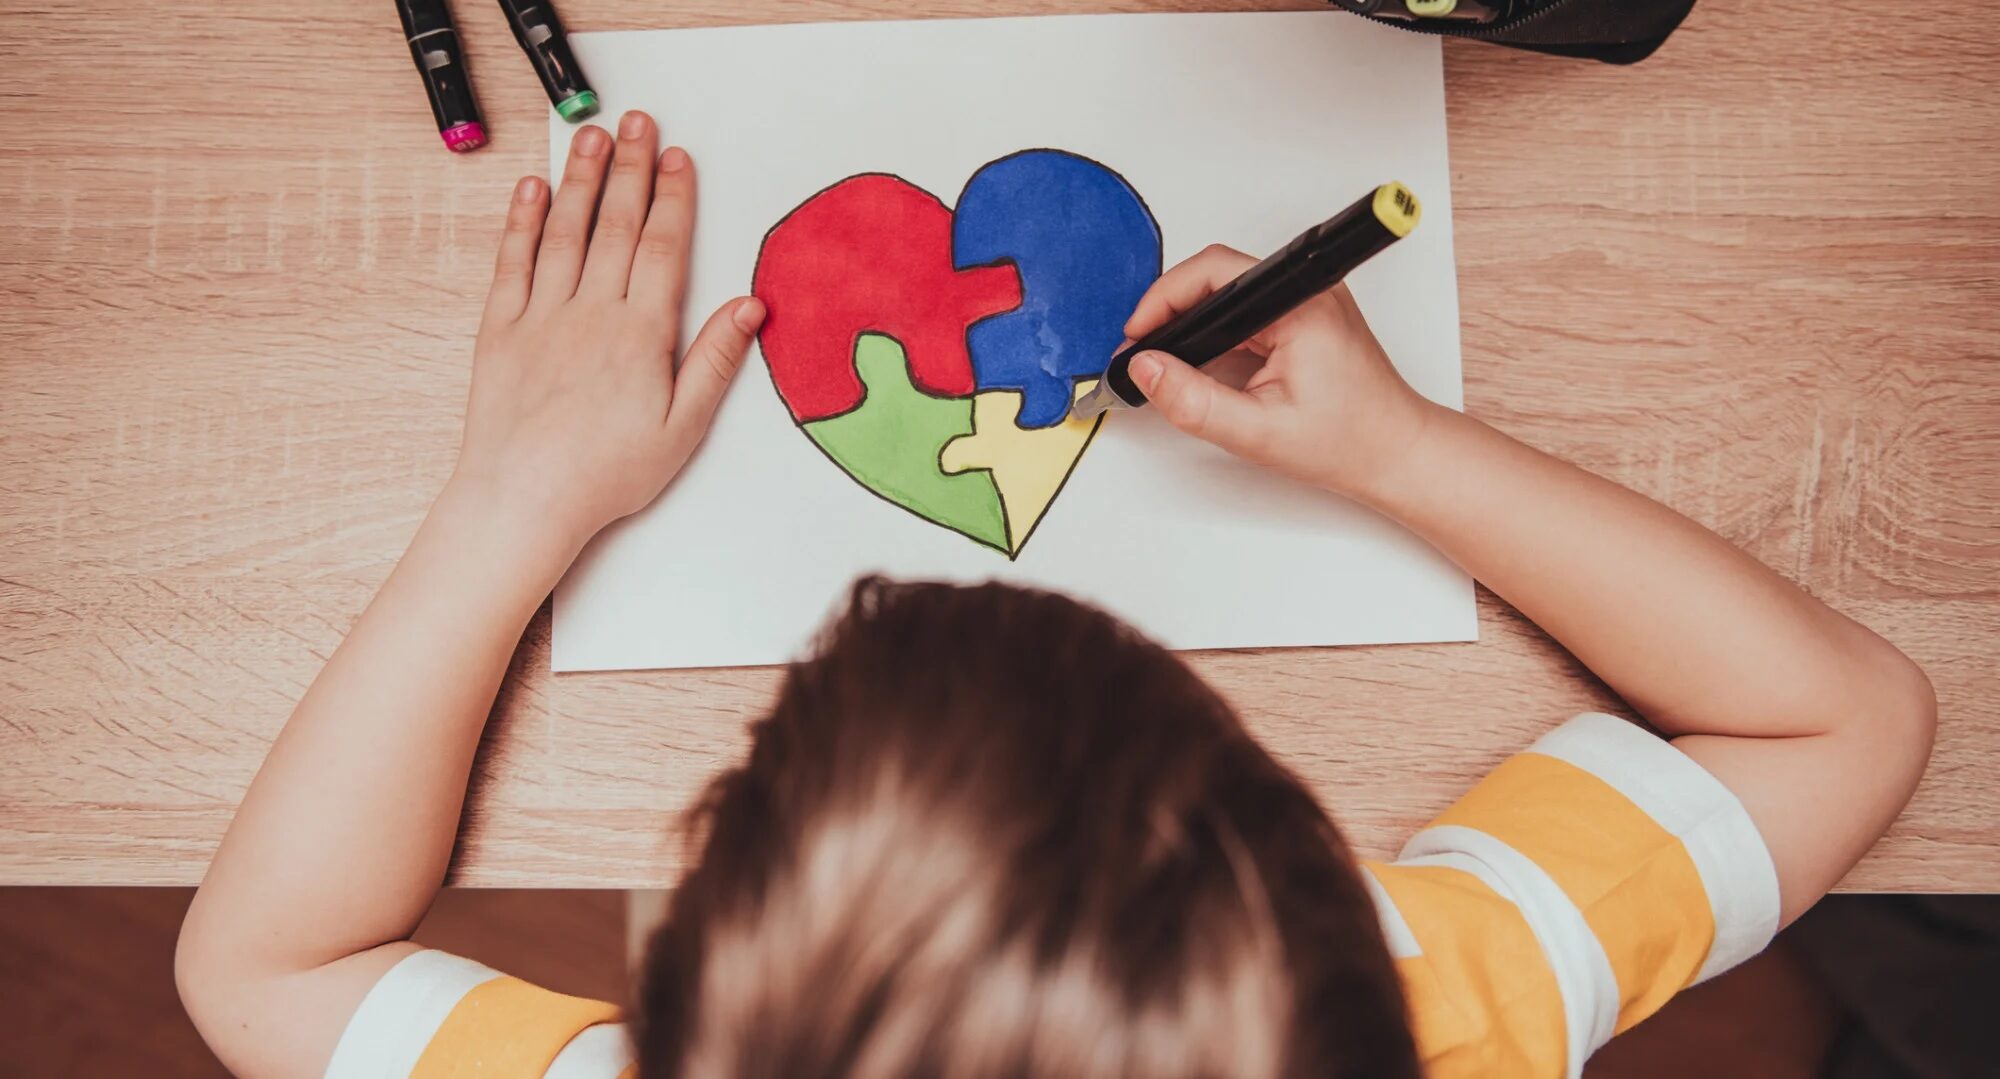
point(1757, 277)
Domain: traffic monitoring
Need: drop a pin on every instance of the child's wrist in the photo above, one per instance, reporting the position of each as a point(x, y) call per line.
point(1375, 462)
point(1421, 465)
point(518, 526)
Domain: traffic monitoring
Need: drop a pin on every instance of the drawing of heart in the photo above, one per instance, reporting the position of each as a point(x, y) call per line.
point(933, 353)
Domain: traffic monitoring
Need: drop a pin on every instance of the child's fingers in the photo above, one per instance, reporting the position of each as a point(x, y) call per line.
point(567, 232)
point(1202, 406)
point(706, 371)
point(622, 213)
point(514, 268)
point(659, 269)
point(1185, 285)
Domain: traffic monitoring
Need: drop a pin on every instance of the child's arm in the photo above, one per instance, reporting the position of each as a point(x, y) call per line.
point(576, 418)
point(1819, 726)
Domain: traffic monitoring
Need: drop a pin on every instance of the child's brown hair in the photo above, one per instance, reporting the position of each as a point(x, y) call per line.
point(988, 832)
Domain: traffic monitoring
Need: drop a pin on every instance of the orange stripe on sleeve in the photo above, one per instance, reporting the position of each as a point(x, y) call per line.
point(507, 1027)
point(1483, 1000)
point(1634, 882)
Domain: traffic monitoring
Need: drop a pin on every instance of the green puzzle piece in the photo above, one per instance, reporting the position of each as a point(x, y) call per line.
point(892, 442)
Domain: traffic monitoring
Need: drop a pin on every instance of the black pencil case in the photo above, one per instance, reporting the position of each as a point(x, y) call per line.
point(1613, 31)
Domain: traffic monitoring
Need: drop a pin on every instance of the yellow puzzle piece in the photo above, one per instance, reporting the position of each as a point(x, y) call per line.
point(1029, 465)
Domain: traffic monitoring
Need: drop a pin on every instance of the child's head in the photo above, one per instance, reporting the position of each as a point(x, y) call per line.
point(988, 832)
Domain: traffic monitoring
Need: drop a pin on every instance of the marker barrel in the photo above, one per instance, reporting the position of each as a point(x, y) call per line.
point(441, 61)
point(540, 33)
point(1312, 263)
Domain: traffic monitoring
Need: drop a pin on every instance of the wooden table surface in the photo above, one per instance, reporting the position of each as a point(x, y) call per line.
point(1757, 277)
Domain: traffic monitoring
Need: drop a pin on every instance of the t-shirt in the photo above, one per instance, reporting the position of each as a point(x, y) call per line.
point(1569, 895)
point(1573, 892)
point(435, 1015)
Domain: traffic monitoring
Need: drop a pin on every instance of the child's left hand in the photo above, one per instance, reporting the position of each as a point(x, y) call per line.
point(579, 414)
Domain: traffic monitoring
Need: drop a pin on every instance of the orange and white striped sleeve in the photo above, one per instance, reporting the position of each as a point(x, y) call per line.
point(1568, 896)
point(435, 1014)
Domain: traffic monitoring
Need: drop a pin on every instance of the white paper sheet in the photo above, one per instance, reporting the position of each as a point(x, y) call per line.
point(1236, 128)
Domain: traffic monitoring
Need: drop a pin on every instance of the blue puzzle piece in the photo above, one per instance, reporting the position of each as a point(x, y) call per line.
point(1086, 248)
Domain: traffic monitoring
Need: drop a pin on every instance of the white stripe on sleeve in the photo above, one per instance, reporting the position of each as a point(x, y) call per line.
point(1402, 943)
point(402, 1013)
point(600, 1052)
point(1682, 797)
point(1583, 973)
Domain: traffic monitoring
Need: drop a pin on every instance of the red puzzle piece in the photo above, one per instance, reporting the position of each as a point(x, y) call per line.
point(871, 254)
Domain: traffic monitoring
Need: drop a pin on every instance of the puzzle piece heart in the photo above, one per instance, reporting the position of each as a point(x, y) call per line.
point(933, 354)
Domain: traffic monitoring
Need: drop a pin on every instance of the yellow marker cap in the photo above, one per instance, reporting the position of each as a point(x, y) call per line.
point(1430, 9)
point(1396, 207)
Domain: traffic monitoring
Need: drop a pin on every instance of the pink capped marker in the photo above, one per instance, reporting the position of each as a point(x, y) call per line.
point(465, 137)
point(434, 46)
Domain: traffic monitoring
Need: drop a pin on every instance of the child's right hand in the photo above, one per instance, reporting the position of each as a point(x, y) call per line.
point(1325, 407)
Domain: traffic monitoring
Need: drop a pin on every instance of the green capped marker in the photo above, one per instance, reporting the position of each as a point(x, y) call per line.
point(576, 107)
point(541, 36)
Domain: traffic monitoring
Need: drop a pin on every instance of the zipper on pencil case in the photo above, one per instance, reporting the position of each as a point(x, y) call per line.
point(1444, 27)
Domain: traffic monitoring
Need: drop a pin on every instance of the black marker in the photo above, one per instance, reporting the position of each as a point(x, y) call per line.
point(1265, 293)
point(434, 46)
point(541, 36)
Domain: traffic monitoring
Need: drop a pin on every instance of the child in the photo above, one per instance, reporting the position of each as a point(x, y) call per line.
point(1058, 854)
